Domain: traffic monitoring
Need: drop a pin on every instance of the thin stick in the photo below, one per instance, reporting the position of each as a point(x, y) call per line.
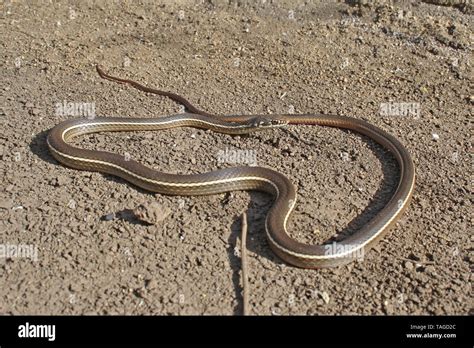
point(243, 256)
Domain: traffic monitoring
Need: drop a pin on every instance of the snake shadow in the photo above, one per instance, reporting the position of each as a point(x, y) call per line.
point(39, 147)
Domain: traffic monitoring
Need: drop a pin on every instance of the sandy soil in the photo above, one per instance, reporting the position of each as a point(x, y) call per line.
point(236, 57)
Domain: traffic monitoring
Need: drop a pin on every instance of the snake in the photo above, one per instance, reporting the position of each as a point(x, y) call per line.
point(240, 178)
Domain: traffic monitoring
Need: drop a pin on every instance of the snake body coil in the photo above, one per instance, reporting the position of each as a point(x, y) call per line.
point(239, 178)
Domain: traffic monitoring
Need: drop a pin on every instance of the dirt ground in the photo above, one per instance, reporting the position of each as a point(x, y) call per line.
point(233, 57)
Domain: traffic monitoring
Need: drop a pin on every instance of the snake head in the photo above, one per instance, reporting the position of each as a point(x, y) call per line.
point(266, 122)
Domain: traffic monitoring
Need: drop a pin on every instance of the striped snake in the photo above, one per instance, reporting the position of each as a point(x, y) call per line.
point(238, 178)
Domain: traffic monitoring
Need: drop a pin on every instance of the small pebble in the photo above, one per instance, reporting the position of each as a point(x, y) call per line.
point(325, 296)
point(109, 217)
point(430, 269)
point(151, 213)
point(151, 284)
